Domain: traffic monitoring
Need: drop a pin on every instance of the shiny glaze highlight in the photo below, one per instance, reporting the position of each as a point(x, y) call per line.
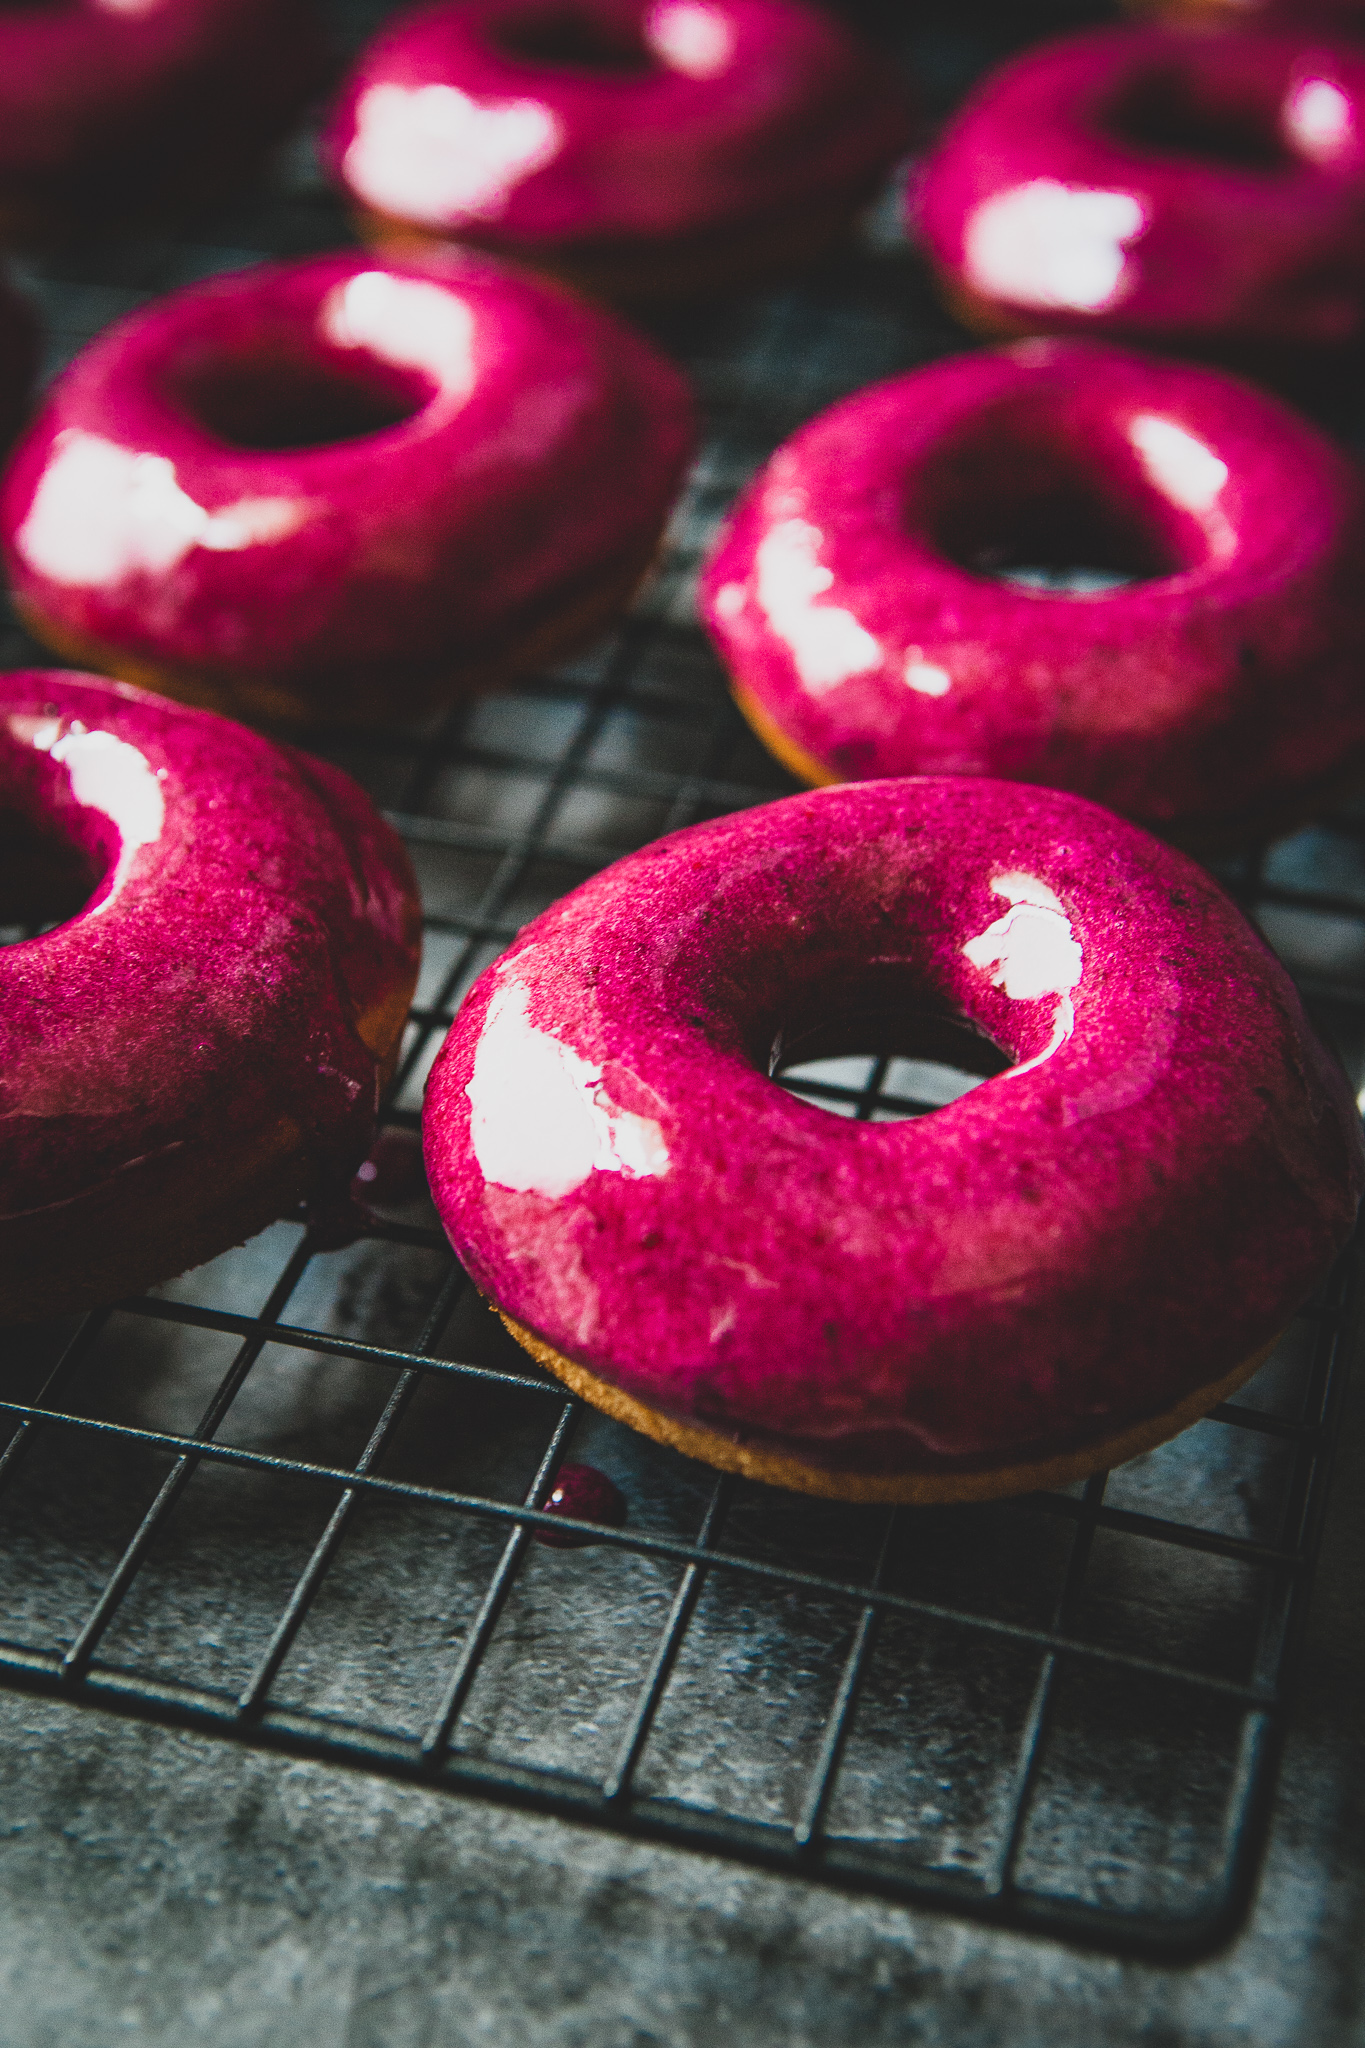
point(716, 112)
point(102, 100)
point(230, 993)
point(1126, 1215)
point(1226, 687)
point(1039, 211)
point(377, 573)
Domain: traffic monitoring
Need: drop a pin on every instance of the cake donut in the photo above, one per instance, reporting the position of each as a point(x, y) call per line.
point(344, 488)
point(643, 149)
point(1061, 1269)
point(199, 1044)
point(856, 594)
point(109, 102)
point(18, 359)
point(1201, 191)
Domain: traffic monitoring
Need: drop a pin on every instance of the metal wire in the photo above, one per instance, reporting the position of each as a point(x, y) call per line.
point(1061, 1713)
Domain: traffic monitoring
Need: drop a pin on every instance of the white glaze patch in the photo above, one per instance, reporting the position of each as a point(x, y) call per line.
point(827, 643)
point(542, 1121)
point(1030, 952)
point(102, 512)
point(1049, 244)
point(431, 153)
point(405, 321)
point(690, 37)
point(109, 775)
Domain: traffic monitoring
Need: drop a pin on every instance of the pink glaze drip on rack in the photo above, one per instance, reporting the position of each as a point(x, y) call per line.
point(1227, 680)
point(733, 109)
point(1037, 204)
point(541, 438)
point(1141, 1202)
point(250, 916)
point(586, 1495)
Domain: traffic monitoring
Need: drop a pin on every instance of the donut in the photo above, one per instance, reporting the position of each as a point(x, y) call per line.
point(1060, 1269)
point(18, 359)
point(106, 104)
point(1198, 191)
point(1218, 696)
point(646, 150)
point(344, 488)
point(199, 1042)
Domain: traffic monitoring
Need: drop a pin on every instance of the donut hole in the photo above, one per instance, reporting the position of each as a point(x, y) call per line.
point(1018, 501)
point(281, 402)
point(1214, 120)
point(45, 878)
point(572, 39)
point(882, 1061)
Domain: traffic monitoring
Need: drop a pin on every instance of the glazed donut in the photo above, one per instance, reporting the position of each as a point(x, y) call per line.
point(18, 360)
point(344, 488)
point(642, 149)
point(200, 1045)
point(1219, 696)
point(104, 103)
point(1204, 191)
point(1062, 1268)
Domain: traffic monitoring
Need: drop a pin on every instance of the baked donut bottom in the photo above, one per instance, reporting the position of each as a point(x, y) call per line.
point(1206, 838)
point(667, 272)
point(912, 1489)
point(380, 694)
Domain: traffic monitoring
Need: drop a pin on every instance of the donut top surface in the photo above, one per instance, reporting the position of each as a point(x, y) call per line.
point(238, 925)
point(610, 119)
point(862, 591)
point(1165, 1170)
point(82, 78)
point(311, 466)
point(1163, 183)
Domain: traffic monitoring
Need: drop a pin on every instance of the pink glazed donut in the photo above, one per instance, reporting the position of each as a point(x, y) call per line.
point(345, 487)
point(1220, 695)
point(1062, 1268)
point(644, 149)
point(1205, 191)
point(200, 1045)
point(104, 103)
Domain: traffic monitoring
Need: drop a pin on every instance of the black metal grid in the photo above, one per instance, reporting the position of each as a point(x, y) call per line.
point(292, 1497)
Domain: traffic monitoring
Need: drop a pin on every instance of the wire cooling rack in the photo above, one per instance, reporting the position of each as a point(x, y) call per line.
point(293, 1498)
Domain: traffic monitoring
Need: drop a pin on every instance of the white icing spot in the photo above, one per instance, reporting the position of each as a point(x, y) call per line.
point(406, 321)
point(542, 1122)
point(729, 600)
point(1030, 952)
point(101, 513)
point(690, 37)
point(1181, 467)
point(1048, 244)
point(432, 153)
point(827, 643)
point(109, 775)
point(923, 676)
point(1318, 121)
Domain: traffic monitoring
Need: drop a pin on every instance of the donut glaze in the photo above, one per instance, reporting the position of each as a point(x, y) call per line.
point(1206, 191)
point(199, 1046)
point(645, 147)
point(1105, 1237)
point(344, 487)
point(851, 599)
point(104, 101)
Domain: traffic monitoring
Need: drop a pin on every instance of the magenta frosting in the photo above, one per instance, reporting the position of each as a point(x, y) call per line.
point(730, 110)
point(1227, 683)
point(1038, 205)
point(543, 444)
point(1070, 1248)
point(250, 917)
point(97, 99)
